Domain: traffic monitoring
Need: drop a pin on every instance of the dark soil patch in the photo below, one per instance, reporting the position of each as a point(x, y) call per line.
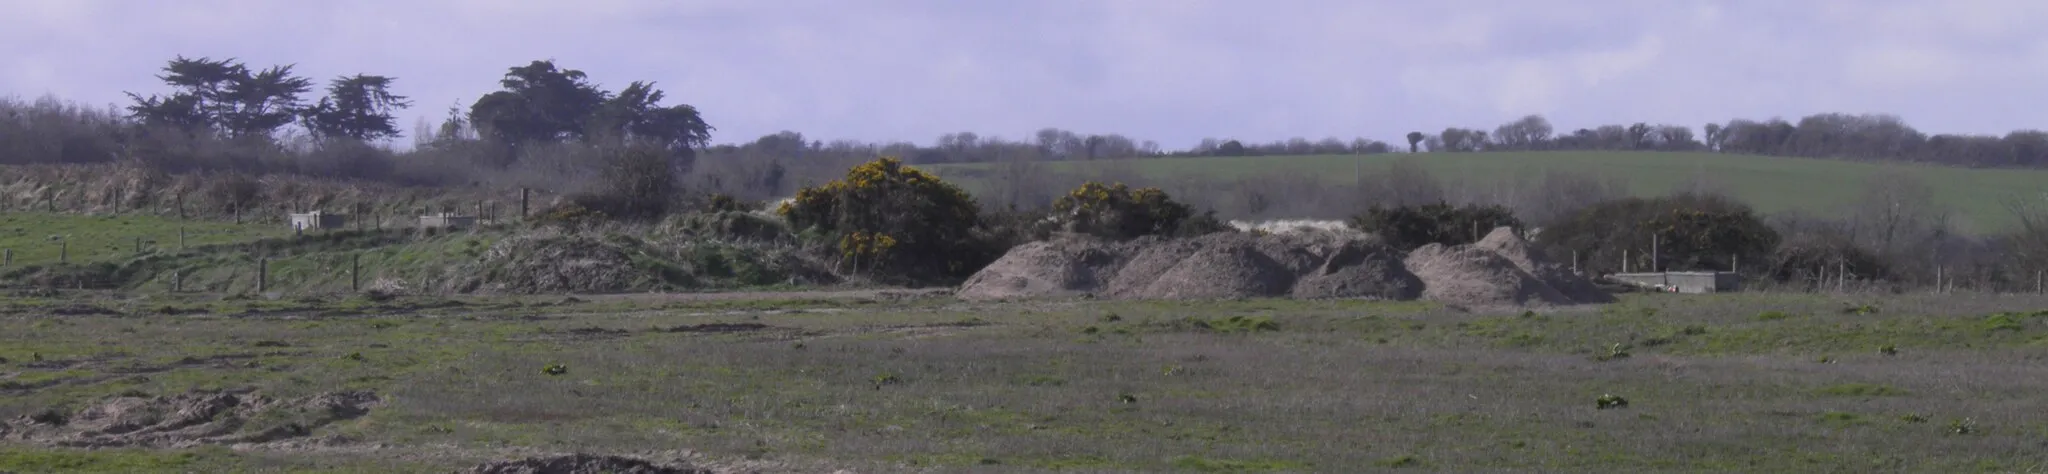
point(717, 328)
point(582, 464)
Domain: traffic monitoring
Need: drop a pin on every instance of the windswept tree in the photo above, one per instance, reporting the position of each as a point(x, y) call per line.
point(540, 102)
point(358, 107)
point(223, 96)
point(1414, 141)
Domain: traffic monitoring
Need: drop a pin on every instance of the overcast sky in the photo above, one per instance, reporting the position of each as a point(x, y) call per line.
point(1168, 70)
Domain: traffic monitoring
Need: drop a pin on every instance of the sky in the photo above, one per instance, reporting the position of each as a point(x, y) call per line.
point(1175, 71)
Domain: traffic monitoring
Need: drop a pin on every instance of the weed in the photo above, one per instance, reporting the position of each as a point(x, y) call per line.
point(555, 369)
point(1607, 401)
point(1614, 352)
point(1888, 349)
point(1401, 462)
point(1963, 426)
point(2004, 322)
point(1859, 390)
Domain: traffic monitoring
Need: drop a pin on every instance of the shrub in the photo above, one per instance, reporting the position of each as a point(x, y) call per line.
point(893, 218)
point(1691, 232)
point(1116, 211)
point(1410, 227)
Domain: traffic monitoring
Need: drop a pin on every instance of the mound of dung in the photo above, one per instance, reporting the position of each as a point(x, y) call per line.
point(1220, 268)
point(1469, 276)
point(581, 464)
point(1359, 270)
point(1215, 266)
point(1062, 267)
point(1576, 288)
point(189, 419)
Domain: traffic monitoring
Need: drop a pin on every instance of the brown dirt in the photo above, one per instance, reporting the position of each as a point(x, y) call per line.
point(1501, 270)
point(189, 419)
point(582, 464)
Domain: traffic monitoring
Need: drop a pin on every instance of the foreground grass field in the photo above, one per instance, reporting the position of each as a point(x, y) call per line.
point(877, 383)
point(1771, 184)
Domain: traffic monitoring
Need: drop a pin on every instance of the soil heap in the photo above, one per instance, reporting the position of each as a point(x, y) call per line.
point(1500, 270)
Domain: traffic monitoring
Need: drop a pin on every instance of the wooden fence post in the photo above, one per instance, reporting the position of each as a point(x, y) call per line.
point(355, 271)
point(63, 251)
point(6, 257)
point(138, 245)
point(262, 274)
point(181, 238)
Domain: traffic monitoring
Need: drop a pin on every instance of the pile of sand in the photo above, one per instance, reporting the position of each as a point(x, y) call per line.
point(189, 419)
point(1500, 270)
point(581, 464)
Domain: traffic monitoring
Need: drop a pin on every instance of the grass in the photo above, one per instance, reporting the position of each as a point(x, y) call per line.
point(1771, 184)
point(1235, 386)
point(40, 238)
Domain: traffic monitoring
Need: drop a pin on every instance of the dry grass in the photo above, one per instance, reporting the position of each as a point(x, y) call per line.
point(931, 385)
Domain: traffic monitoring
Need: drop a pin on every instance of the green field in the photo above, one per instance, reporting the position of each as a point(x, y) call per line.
point(1723, 383)
point(41, 238)
point(1771, 184)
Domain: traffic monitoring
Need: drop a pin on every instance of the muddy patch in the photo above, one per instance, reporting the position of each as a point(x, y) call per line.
point(582, 464)
point(717, 328)
point(186, 420)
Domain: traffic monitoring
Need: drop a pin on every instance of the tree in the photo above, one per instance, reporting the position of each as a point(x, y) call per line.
point(1410, 227)
point(358, 107)
point(1230, 148)
point(1414, 140)
point(1713, 131)
point(225, 96)
point(1528, 133)
point(538, 103)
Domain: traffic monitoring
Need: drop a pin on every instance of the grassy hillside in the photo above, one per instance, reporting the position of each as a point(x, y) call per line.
point(41, 238)
point(1771, 184)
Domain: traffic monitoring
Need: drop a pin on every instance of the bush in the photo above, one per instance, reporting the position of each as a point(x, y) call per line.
point(892, 218)
point(637, 182)
point(1119, 212)
point(1690, 232)
point(1411, 227)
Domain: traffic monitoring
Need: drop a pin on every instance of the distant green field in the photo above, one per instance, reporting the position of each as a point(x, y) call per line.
point(1771, 184)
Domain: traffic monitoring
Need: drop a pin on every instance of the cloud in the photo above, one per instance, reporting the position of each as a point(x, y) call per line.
point(1170, 70)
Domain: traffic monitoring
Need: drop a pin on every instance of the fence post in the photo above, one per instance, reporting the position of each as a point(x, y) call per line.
point(262, 275)
point(355, 271)
point(177, 281)
point(238, 213)
point(6, 257)
point(1624, 260)
point(181, 205)
point(181, 238)
point(63, 251)
point(138, 245)
point(1841, 277)
point(523, 196)
point(2037, 282)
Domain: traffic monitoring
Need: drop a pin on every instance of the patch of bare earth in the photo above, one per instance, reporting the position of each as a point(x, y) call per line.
point(190, 419)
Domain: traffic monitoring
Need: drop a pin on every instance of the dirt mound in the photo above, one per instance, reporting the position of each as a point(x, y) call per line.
point(581, 464)
point(1469, 276)
point(1359, 270)
point(1216, 266)
point(1220, 269)
point(1501, 270)
point(189, 419)
point(1574, 287)
point(1069, 266)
